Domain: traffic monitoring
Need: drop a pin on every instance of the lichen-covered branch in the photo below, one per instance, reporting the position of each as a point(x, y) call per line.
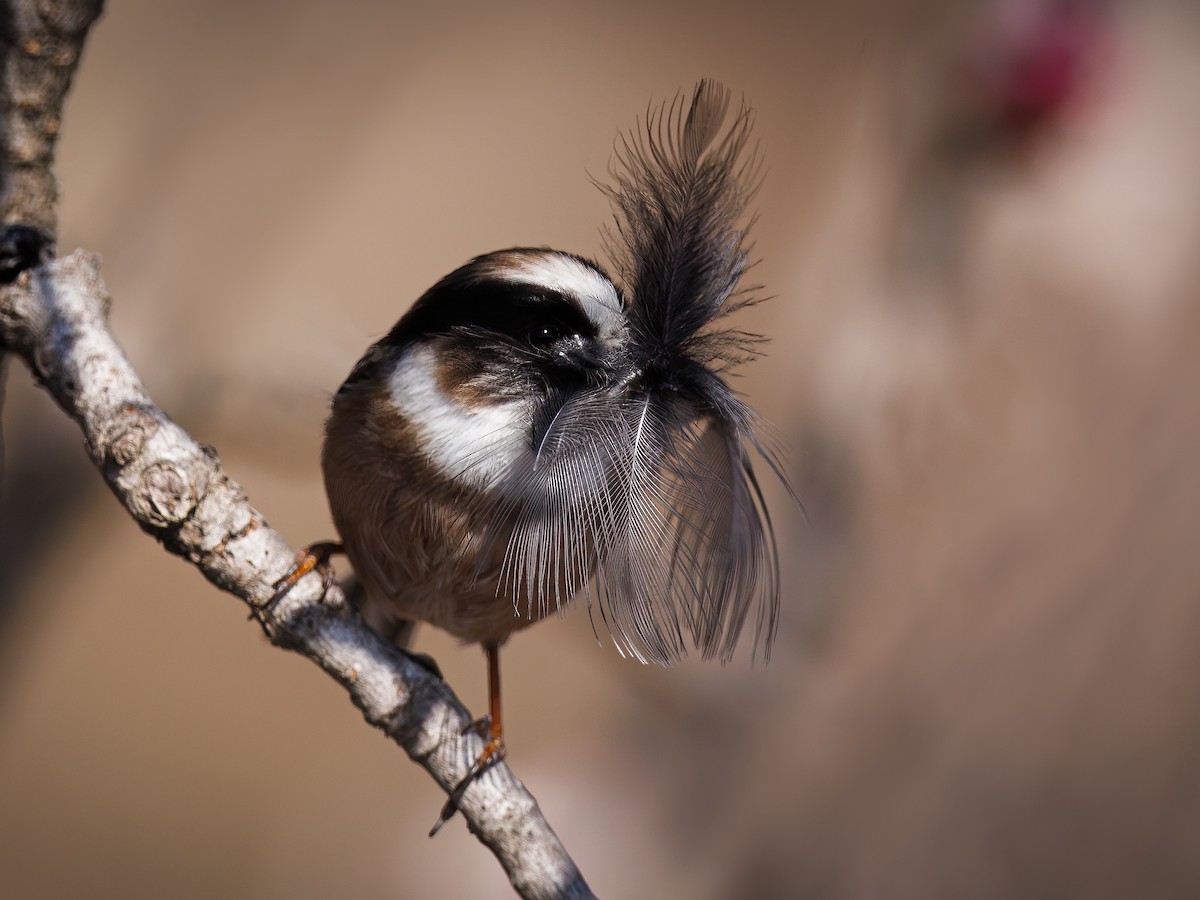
point(54, 316)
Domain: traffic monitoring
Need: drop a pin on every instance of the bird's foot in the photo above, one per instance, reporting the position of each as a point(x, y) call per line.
point(494, 752)
point(314, 556)
point(429, 664)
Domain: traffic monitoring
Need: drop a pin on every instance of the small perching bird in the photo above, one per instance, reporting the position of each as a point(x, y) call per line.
point(529, 432)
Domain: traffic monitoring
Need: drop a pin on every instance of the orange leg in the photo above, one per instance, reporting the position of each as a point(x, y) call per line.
point(314, 556)
point(493, 751)
point(495, 744)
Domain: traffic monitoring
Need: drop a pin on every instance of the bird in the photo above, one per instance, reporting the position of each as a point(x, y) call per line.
point(533, 430)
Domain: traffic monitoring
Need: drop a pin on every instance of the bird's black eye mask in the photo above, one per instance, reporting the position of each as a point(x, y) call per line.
point(521, 313)
point(503, 317)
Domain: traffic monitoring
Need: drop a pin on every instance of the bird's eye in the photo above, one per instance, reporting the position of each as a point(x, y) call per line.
point(543, 335)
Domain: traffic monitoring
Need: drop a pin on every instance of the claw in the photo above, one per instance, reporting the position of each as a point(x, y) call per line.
point(314, 556)
point(493, 752)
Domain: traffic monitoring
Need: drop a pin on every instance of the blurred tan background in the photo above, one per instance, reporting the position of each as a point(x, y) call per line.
point(980, 230)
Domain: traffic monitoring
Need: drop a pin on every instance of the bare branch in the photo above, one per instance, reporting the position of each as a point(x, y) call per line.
point(55, 317)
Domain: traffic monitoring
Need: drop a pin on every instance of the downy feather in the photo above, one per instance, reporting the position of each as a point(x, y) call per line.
point(641, 493)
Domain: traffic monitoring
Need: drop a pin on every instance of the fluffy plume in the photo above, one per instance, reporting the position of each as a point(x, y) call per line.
point(655, 470)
